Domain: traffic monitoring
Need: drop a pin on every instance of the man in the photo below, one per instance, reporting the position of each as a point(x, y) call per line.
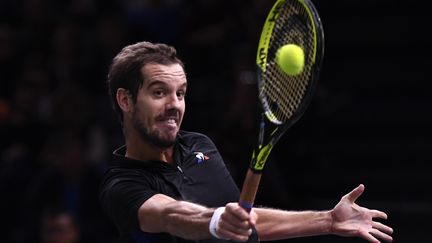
point(168, 185)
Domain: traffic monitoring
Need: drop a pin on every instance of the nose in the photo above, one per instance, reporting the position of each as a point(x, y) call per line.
point(173, 102)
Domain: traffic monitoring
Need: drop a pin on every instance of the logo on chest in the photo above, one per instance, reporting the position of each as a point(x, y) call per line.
point(200, 157)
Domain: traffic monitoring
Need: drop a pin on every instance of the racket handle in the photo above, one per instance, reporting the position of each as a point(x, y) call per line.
point(249, 189)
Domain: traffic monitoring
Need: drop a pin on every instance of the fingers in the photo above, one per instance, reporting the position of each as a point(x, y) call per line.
point(378, 231)
point(253, 217)
point(365, 235)
point(381, 227)
point(381, 235)
point(378, 214)
point(354, 194)
point(235, 223)
point(235, 210)
point(228, 231)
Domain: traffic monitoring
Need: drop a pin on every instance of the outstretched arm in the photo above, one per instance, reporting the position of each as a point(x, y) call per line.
point(187, 220)
point(345, 219)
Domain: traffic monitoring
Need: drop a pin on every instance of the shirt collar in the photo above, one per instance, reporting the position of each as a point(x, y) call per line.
point(180, 152)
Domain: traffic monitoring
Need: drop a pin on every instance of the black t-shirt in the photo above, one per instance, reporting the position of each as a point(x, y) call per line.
point(198, 175)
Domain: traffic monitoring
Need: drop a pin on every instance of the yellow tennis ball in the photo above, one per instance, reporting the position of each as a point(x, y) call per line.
point(290, 59)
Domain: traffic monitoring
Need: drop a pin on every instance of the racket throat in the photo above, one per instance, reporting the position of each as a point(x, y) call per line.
point(259, 157)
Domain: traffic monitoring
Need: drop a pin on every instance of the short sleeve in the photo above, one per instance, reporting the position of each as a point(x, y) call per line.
point(123, 191)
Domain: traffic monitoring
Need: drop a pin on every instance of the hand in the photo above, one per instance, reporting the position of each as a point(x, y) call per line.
point(235, 223)
point(350, 219)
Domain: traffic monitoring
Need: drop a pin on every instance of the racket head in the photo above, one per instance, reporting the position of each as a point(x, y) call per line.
point(283, 97)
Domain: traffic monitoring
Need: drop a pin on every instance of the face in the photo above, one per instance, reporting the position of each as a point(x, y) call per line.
point(160, 105)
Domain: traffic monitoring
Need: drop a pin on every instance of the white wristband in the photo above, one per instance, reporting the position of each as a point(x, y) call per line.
point(214, 223)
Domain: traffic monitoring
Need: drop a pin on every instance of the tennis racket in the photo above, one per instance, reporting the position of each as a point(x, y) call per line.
point(283, 97)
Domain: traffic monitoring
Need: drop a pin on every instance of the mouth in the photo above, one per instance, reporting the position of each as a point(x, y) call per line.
point(169, 121)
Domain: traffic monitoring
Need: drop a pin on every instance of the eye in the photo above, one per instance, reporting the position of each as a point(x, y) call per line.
point(158, 93)
point(181, 94)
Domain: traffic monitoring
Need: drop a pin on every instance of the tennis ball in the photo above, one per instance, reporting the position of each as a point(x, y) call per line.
point(290, 59)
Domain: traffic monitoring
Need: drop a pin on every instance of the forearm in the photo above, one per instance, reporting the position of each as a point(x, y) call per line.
point(276, 224)
point(179, 218)
point(187, 220)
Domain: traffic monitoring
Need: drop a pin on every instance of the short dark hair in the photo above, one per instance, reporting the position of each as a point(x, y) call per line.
point(125, 70)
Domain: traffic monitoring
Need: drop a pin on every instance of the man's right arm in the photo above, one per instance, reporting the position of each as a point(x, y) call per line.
point(161, 213)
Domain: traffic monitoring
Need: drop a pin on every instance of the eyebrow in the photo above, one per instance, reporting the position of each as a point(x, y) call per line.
point(159, 82)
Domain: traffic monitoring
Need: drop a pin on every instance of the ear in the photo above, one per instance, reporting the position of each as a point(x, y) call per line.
point(124, 100)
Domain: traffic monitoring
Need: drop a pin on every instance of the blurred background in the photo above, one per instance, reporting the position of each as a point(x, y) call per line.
point(369, 121)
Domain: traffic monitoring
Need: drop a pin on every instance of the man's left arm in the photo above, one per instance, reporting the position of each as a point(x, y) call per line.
point(345, 219)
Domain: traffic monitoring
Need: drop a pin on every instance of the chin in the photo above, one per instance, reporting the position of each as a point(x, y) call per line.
point(166, 140)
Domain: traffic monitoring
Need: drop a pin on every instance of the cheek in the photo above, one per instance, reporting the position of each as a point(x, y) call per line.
point(183, 107)
point(143, 114)
point(182, 110)
point(148, 108)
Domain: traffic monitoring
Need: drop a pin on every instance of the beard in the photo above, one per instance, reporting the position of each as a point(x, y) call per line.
point(154, 137)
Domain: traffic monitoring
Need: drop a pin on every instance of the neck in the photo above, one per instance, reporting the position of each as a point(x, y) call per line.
point(139, 149)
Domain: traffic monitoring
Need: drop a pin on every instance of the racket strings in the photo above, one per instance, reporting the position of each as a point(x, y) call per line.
point(284, 93)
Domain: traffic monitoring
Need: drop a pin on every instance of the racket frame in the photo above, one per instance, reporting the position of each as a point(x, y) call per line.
point(269, 122)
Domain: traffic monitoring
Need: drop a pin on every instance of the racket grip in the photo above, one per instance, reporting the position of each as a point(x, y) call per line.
point(249, 189)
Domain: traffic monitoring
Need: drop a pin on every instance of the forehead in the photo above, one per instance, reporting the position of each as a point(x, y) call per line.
point(165, 73)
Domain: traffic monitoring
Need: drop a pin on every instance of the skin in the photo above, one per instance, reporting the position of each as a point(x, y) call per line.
point(150, 127)
point(153, 120)
point(345, 219)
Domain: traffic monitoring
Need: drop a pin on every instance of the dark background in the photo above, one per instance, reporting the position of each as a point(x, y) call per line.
point(369, 121)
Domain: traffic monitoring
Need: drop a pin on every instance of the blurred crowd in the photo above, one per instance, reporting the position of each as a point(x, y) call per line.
point(57, 127)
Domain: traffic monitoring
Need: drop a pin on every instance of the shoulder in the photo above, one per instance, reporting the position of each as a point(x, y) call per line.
point(192, 136)
point(126, 187)
point(124, 174)
point(192, 139)
point(118, 182)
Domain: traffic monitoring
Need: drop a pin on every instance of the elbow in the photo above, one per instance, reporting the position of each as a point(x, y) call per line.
point(151, 222)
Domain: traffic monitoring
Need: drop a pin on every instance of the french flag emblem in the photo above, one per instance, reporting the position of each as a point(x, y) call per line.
point(201, 157)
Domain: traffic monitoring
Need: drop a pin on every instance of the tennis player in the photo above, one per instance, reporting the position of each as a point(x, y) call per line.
point(170, 185)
